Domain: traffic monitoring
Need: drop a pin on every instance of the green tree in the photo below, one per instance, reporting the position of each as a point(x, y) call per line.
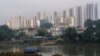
point(70, 34)
point(81, 37)
point(92, 31)
point(22, 34)
point(88, 23)
point(89, 34)
point(97, 24)
point(97, 27)
point(97, 35)
point(5, 32)
point(42, 32)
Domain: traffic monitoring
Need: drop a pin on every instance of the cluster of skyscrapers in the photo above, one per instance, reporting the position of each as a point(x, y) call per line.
point(74, 17)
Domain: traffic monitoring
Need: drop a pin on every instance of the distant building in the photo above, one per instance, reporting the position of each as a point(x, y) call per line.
point(34, 22)
point(14, 23)
point(28, 23)
point(51, 20)
point(71, 17)
point(79, 16)
point(55, 14)
point(71, 12)
point(41, 15)
point(71, 21)
point(8, 23)
point(96, 11)
point(43, 21)
point(64, 14)
point(92, 11)
point(57, 21)
point(56, 30)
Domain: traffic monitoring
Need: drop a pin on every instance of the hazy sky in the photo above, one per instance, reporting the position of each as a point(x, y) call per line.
point(29, 8)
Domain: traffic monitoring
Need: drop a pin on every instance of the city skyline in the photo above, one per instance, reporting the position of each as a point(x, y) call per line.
point(71, 17)
point(29, 8)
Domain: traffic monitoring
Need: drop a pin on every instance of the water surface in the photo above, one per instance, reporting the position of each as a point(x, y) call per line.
point(65, 50)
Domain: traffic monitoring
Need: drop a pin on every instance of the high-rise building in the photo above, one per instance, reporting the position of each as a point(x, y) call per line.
point(92, 11)
point(71, 21)
point(41, 15)
point(22, 22)
point(71, 12)
point(79, 16)
point(8, 23)
point(28, 23)
point(51, 20)
point(89, 11)
point(57, 21)
point(64, 14)
point(14, 23)
point(55, 14)
point(34, 22)
point(96, 11)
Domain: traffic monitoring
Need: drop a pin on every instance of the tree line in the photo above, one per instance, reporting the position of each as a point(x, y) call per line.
point(91, 33)
point(6, 33)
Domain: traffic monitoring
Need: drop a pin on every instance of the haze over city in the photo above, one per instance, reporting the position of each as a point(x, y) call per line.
point(29, 8)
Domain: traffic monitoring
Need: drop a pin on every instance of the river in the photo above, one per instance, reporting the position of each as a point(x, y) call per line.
point(65, 50)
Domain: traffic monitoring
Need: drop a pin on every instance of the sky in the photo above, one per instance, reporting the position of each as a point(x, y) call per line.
point(29, 8)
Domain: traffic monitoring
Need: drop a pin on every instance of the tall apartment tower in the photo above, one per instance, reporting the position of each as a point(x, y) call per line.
point(55, 14)
point(92, 11)
point(41, 15)
point(14, 23)
point(64, 14)
point(96, 11)
point(28, 23)
point(71, 12)
point(34, 22)
point(8, 23)
point(21, 21)
point(56, 19)
point(79, 16)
